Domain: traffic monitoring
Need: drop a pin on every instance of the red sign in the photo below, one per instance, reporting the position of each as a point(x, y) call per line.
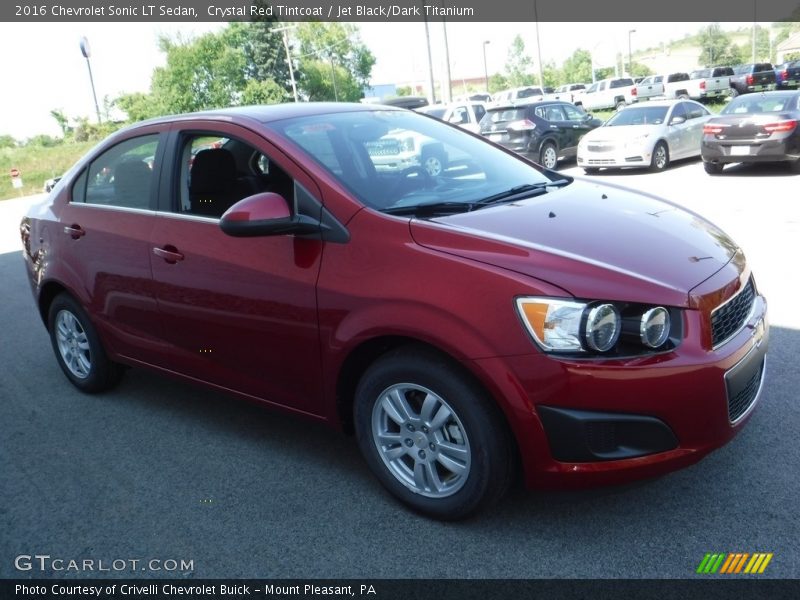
point(14, 173)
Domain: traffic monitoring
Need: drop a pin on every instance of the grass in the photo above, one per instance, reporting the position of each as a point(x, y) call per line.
point(37, 164)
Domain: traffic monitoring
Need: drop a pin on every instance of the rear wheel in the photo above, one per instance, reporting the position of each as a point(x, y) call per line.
point(734, 92)
point(433, 164)
point(660, 160)
point(78, 349)
point(794, 166)
point(431, 436)
point(548, 155)
point(620, 104)
point(713, 168)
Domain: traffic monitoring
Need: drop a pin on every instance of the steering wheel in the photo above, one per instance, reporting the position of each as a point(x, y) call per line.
point(405, 183)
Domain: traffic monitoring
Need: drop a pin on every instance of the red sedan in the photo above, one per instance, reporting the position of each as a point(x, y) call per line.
point(490, 318)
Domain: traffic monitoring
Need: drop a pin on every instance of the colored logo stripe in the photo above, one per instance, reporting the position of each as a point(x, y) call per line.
point(734, 562)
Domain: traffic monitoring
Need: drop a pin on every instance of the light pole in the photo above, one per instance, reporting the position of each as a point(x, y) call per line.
point(86, 51)
point(285, 32)
point(630, 63)
point(485, 70)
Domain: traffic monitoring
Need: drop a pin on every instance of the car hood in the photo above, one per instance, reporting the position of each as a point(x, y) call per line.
point(623, 133)
point(592, 240)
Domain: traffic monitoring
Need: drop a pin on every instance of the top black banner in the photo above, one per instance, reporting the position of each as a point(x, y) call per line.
point(400, 10)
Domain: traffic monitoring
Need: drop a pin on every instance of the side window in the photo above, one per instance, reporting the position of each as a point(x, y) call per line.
point(217, 171)
point(122, 176)
point(479, 112)
point(695, 111)
point(459, 115)
point(573, 114)
point(679, 111)
point(658, 79)
point(554, 113)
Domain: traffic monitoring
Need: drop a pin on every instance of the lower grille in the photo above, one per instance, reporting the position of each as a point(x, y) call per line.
point(742, 400)
point(730, 317)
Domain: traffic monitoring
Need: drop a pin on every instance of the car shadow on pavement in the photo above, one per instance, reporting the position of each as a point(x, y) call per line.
point(770, 169)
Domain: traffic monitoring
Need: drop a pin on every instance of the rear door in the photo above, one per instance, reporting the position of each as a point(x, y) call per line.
point(103, 242)
point(240, 313)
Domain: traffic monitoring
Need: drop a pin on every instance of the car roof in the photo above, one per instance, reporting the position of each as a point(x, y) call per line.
point(264, 113)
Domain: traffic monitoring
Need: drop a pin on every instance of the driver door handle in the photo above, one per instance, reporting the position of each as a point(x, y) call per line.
point(75, 231)
point(169, 253)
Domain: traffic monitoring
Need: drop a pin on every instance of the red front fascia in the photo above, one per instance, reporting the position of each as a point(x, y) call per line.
point(684, 388)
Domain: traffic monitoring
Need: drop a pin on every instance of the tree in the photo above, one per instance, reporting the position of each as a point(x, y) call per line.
point(7, 141)
point(552, 75)
point(138, 106)
point(264, 52)
point(263, 92)
point(578, 67)
point(497, 83)
point(208, 72)
point(640, 70)
point(716, 47)
point(518, 64)
point(62, 120)
point(340, 44)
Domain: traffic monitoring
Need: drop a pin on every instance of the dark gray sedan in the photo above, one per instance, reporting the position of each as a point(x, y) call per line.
point(754, 128)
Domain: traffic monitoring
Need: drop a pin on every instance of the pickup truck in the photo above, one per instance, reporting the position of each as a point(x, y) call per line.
point(608, 93)
point(787, 75)
point(714, 82)
point(569, 92)
point(662, 86)
point(753, 77)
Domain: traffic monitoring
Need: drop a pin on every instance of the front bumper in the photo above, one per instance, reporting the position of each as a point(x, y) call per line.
point(686, 393)
point(615, 156)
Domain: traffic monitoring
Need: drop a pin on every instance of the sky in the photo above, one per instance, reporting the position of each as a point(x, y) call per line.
point(45, 69)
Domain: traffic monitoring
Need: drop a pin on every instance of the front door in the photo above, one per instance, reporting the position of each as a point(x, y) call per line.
point(240, 313)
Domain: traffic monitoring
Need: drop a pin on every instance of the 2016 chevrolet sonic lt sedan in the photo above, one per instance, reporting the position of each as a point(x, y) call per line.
point(495, 318)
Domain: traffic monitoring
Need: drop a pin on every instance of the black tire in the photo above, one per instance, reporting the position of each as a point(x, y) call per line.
point(734, 92)
point(548, 155)
point(794, 166)
point(713, 168)
point(461, 418)
point(78, 349)
point(660, 159)
point(620, 104)
point(591, 170)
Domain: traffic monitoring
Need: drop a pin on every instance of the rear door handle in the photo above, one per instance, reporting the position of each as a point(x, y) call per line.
point(169, 253)
point(75, 231)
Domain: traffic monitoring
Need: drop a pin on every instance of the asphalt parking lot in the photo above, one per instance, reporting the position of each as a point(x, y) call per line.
point(158, 469)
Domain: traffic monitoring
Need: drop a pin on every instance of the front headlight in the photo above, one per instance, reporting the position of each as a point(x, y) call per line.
point(554, 324)
point(611, 329)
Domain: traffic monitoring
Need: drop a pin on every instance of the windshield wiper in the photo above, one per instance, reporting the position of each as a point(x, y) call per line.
point(526, 190)
point(431, 208)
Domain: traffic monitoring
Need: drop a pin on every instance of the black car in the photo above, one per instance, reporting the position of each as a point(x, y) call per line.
point(753, 77)
point(754, 128)
point(541, 131)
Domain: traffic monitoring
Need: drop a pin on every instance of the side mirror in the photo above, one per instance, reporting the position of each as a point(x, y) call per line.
point(265, 214)
point(677, 120)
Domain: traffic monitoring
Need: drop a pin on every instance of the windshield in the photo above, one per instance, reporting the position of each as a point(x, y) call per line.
point(390, 159)
point(639, 115)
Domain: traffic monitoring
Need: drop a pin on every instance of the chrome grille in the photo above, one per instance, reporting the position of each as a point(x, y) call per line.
point(728, 318)
point(383, 148)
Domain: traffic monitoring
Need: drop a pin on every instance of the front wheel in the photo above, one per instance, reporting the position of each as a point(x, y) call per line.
point(430, 435)
point(660, 160)
point(548, 155)
point(78, 349)
point(433, 164)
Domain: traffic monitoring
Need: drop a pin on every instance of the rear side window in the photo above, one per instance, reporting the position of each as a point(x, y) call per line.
point(528, 92)
point(122, 176)
point(618, 83)
point(677, 77)
point(762, 67)
point(722, 72)
point(701, 74)
point(503, 115)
